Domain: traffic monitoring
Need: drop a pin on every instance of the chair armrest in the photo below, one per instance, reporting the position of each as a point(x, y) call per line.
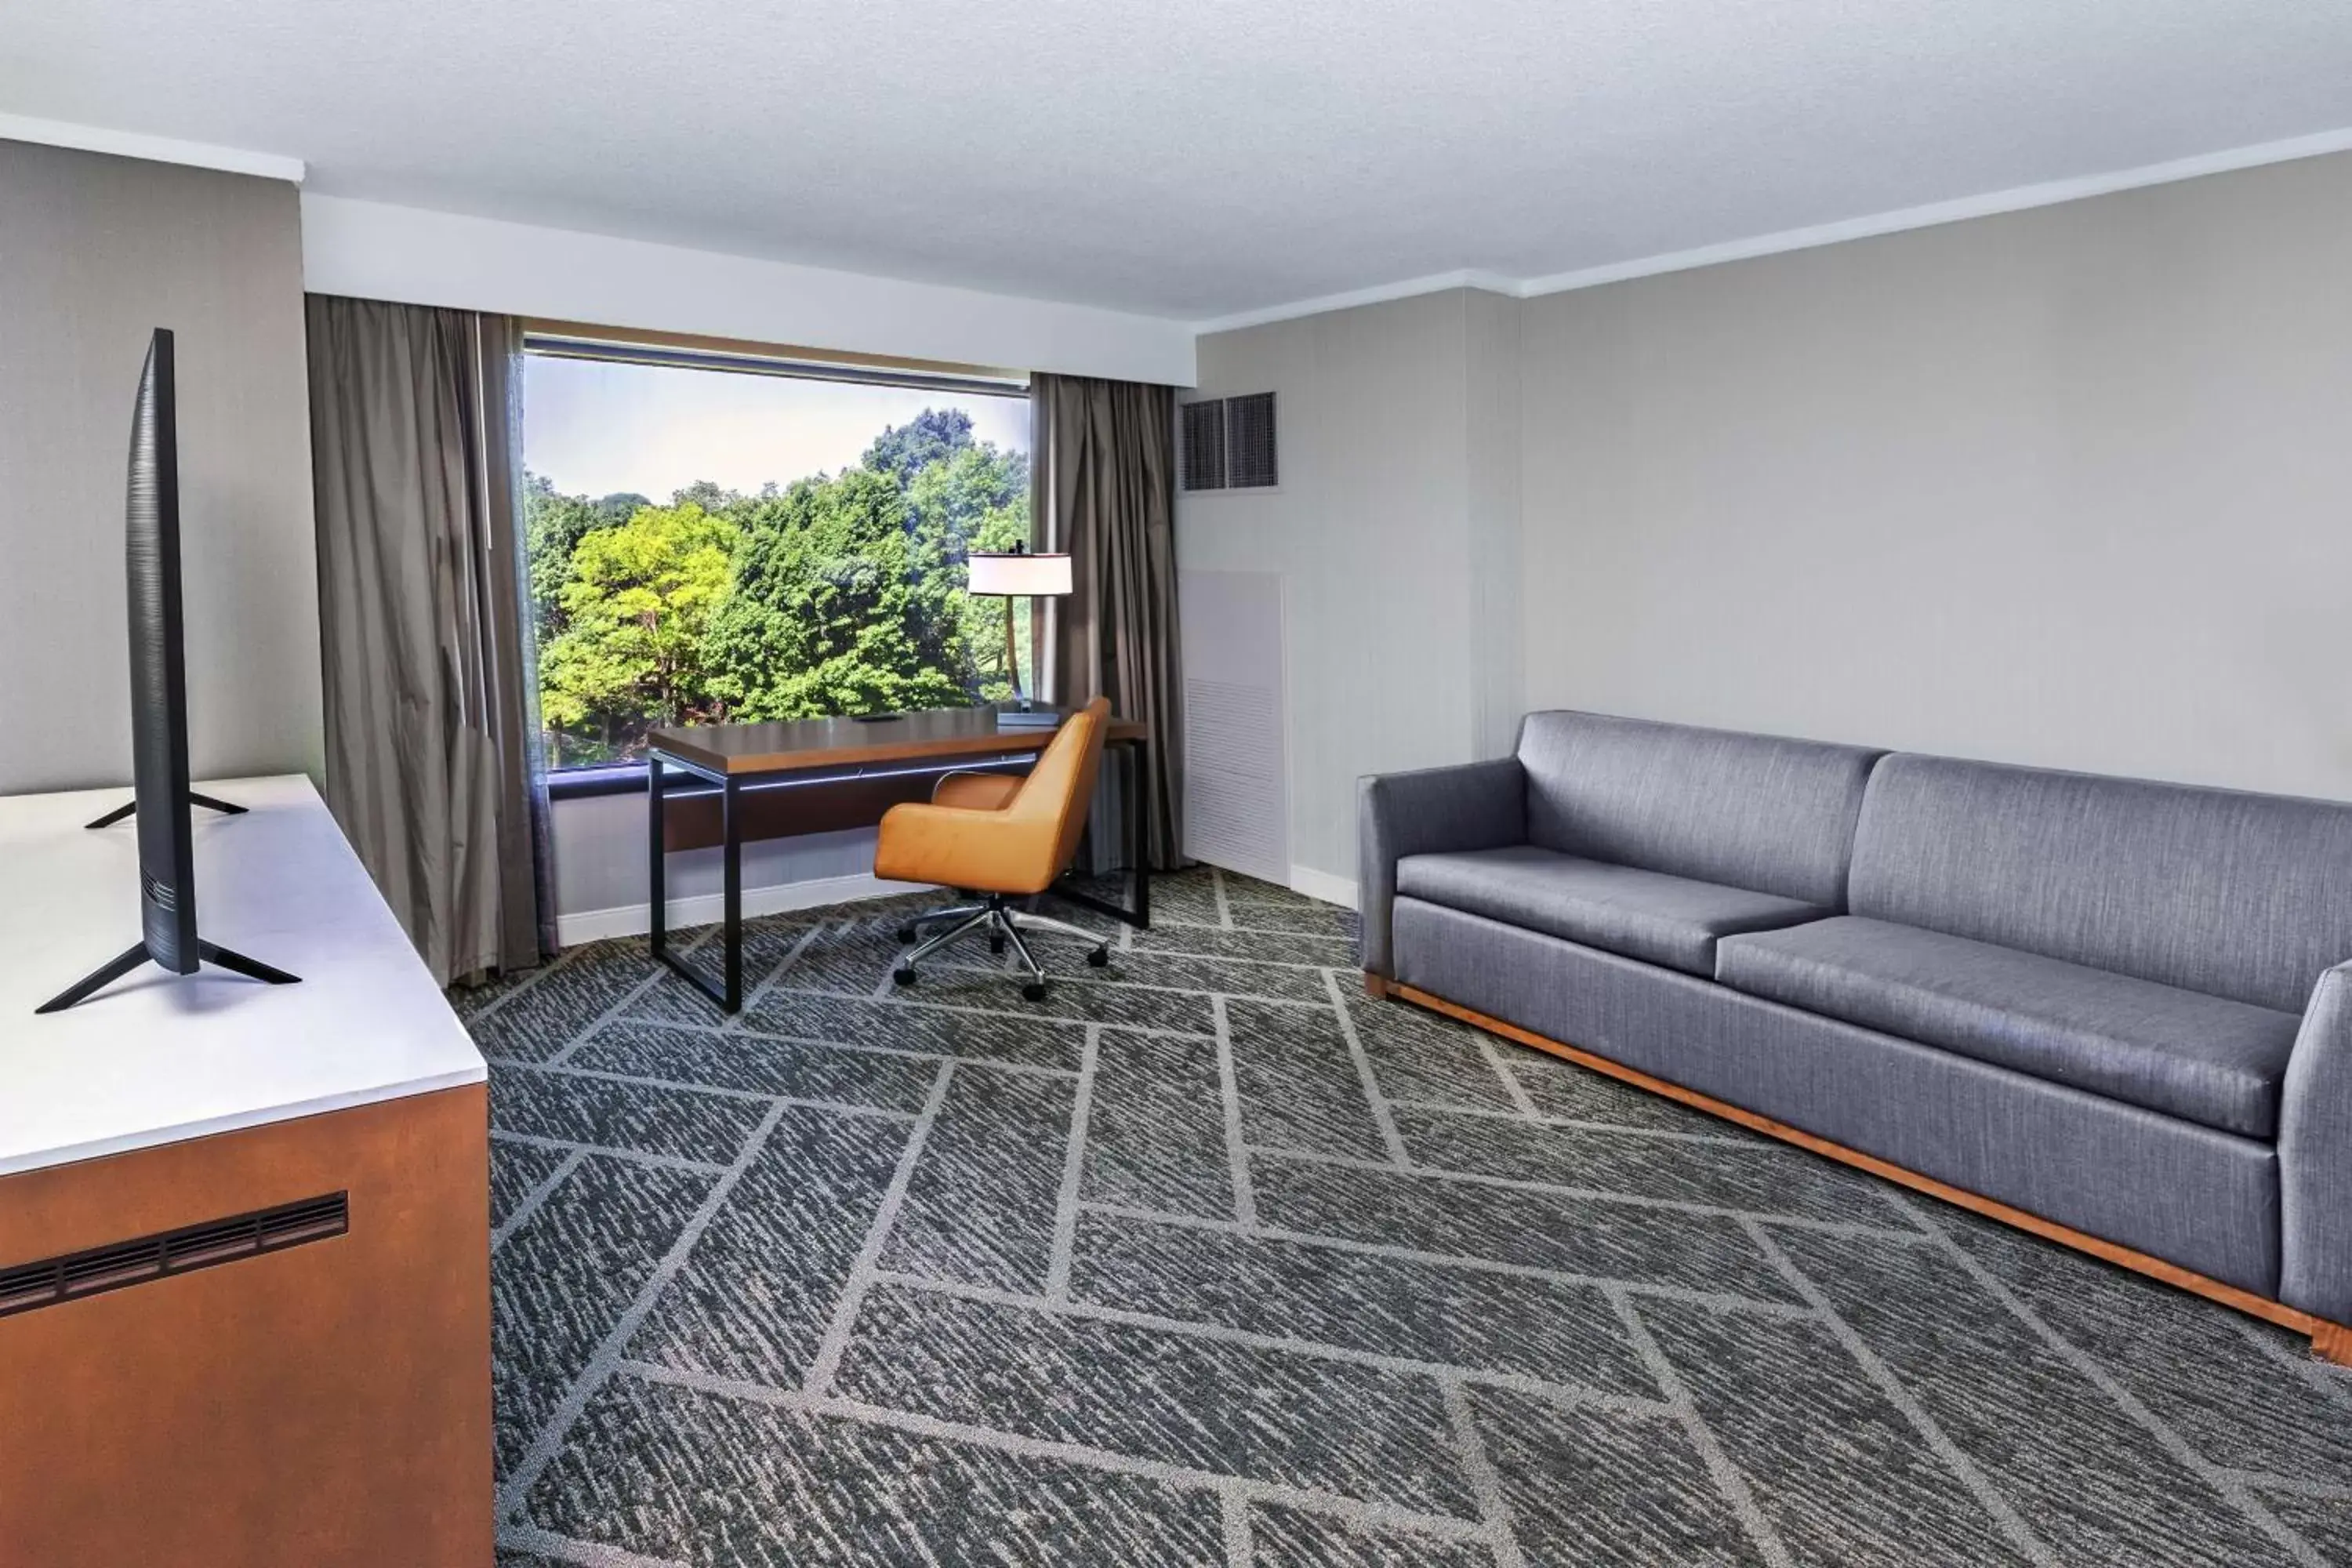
point(976, 792)
point(981, 851)
point(2314, 1153)
point(1473, 806)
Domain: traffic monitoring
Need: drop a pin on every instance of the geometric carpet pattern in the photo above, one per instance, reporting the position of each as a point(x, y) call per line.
point(1209, 1259)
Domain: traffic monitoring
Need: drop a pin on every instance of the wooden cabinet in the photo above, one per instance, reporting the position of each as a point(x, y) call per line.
point(310, 1393)
point(326, 1404)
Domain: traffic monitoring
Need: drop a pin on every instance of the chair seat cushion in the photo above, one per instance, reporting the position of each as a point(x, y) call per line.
point(2207, 1059)
point(1649, 915)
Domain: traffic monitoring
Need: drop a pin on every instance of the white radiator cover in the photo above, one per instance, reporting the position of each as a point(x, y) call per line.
point(1236, 765)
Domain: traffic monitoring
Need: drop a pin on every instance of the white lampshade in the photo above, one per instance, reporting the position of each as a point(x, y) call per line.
point(1020, 575)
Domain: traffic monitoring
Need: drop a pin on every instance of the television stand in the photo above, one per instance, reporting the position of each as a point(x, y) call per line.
point(211, 953)
point(305, 1398)
point(225, 807)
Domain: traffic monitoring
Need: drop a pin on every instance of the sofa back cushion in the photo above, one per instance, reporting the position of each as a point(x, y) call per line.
point(2236, 895)
point(1750, 811)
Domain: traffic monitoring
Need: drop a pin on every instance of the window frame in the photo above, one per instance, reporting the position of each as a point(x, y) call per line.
point(729, 356)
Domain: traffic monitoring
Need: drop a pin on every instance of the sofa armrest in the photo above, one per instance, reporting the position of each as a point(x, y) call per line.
point(2314, 1153)
point(1473, 806)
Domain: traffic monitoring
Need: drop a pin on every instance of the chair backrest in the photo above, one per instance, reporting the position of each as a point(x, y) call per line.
point(1761, 812)
point(1061, 787)
point(2237, 895)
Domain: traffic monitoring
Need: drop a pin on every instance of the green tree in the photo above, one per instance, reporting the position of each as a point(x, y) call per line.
point(635, 603)
point(904, 450)
point(973, 488)
point(838, 595)
point(710, 495)
point(975, 497)
point(840, 606)
point(551, 525)
point(964, 495)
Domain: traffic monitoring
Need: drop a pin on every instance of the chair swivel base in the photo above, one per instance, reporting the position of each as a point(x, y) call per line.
point(1003, 924)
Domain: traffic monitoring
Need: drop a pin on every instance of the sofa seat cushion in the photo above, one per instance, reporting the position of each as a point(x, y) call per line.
point(2207, 1059)
point(1623, 910)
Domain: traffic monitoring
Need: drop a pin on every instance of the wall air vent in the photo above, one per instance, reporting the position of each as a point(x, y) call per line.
point(55, 1280)
point(1249, 442)
point(1229, 443)
point(1204, 445)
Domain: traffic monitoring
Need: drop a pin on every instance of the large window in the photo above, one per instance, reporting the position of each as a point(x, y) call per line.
point(715, 538)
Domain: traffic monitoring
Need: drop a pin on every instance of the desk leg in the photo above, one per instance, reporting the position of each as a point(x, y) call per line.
point(656, 858)
point(730, 813)
point(1137, 910)
point(727, 991)
point(1139, 832)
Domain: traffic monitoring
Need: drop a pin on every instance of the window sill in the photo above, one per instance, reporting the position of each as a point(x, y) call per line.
point(610, 778)
point(629, 778)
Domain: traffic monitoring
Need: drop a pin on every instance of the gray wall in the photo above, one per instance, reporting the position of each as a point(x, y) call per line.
point(96, 251)
point(2070, 487)
point(1398, 569)
point(601, 878)
point(1493, 434)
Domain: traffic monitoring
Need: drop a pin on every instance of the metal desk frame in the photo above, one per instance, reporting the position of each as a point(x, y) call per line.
point(727, 991)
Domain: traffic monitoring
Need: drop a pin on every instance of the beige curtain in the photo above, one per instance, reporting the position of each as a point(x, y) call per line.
point(432, 728)
point(1104, 456)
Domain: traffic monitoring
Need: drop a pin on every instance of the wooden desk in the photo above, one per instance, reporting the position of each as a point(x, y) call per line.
point(733, 758)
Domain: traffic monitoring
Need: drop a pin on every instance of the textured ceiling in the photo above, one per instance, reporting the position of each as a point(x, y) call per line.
point(1190, 160)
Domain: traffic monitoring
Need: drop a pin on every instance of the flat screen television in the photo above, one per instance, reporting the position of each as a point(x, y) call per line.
point(159, 704)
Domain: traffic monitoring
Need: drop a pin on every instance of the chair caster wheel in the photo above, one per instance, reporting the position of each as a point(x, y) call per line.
point(903, 975)
point(1034, 992)
point(1099, 957)
point(996, 945)
point(906, 933)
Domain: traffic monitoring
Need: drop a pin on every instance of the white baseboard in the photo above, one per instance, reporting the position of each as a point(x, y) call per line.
point(634, 920)
point(1340, 890)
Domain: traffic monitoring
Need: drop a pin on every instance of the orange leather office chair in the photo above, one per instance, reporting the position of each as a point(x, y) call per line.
point(1002, 837)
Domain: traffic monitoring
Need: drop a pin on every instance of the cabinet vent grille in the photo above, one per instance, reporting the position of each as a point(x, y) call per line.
point(52, 1281)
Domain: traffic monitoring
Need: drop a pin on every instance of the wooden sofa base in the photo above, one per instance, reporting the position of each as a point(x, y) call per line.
point(2330, 1342)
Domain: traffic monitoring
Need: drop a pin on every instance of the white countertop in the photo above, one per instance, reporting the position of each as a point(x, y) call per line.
point(157, 1058)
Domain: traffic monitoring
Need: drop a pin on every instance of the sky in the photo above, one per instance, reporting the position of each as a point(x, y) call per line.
point(596, 428)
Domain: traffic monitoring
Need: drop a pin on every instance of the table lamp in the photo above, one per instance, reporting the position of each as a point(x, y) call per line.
point(1014, 575)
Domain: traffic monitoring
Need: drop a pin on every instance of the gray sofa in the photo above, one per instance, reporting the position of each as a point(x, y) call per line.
point(2121, 1007)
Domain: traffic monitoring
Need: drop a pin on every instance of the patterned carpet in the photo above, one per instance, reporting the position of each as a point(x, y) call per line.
point(1209, 1259)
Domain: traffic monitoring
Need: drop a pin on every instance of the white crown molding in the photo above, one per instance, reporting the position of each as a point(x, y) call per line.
point(2022, 198)
point(1437, 283)
point(154, 148)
